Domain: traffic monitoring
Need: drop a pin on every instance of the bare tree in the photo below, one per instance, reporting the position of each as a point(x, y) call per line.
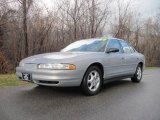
point(123, 16)
point(31, 28)
point(25, 4)
point(85, 18)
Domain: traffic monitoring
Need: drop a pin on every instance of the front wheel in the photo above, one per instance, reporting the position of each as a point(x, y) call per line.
point(138, 74)
point(92, 81)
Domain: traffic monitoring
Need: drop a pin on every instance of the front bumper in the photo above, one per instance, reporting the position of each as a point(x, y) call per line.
point(62, 78)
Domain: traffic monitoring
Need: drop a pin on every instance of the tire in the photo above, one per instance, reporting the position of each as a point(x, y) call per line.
point(138, 74)
point(92, 81)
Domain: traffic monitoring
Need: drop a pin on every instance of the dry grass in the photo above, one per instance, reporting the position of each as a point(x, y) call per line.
point(10, 80)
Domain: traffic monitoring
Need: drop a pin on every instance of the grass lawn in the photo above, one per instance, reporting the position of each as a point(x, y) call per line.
point(149, 68)
point(10, 80)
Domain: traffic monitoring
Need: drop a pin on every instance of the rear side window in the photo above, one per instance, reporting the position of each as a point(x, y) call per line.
point(127, 48)
point(131, 48)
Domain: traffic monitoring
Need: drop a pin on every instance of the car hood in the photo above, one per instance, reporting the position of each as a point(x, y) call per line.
point(57, 57)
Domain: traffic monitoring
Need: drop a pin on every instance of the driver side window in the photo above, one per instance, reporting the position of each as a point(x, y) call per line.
point(113, 43)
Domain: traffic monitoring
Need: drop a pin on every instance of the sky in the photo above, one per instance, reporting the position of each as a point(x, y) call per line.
point(149, 7)
point(146, 7)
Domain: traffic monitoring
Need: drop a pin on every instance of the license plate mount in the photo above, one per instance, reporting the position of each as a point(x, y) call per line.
point(26, 77)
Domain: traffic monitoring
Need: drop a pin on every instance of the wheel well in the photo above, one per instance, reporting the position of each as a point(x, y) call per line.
point(141, 64)
point(99, 65)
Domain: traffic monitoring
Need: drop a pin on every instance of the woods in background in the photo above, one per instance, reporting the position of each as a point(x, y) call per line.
point(28, 27)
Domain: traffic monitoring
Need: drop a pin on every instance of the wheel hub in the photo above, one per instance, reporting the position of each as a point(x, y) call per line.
point(93, 80)
point(139, 73)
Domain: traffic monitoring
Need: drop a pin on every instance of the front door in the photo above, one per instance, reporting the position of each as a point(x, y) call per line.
point(114, 61)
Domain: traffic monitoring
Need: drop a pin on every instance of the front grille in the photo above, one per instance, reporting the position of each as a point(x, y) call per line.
point(48, 82)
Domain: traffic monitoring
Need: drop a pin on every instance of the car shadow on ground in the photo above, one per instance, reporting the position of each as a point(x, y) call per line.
point(111, 84)
point(76, 91)
point(72, 95)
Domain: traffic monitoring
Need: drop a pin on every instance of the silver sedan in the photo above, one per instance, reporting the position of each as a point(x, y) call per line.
point(87, 63)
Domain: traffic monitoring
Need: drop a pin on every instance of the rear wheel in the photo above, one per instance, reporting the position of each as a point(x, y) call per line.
point(138, 74)
point(92, 81)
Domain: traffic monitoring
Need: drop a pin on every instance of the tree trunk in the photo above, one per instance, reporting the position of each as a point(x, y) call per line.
point(25, 28)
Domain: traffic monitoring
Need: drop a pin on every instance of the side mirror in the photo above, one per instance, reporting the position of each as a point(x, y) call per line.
point(112, 50)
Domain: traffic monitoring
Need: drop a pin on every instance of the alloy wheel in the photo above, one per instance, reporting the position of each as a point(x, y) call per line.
point(93, 80)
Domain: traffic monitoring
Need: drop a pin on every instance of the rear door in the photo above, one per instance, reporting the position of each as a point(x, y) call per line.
point(130, 58)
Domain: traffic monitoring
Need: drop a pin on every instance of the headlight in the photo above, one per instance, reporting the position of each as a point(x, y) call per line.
point(57, 66)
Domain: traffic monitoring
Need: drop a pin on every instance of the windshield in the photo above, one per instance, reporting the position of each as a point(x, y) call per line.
point(94, 45)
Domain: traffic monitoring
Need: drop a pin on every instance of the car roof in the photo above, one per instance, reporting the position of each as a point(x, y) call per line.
point(102, 38)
